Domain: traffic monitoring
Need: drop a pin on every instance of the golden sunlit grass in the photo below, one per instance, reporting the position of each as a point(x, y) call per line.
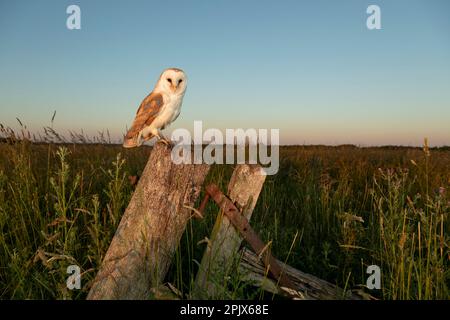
point(346, 207)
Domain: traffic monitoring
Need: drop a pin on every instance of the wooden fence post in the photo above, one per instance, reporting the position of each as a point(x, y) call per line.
point(150, 230)
point(244, 188)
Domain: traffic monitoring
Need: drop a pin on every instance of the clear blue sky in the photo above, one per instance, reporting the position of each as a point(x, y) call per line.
point(310, 68)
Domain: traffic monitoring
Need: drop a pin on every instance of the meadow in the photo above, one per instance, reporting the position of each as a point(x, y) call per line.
point(329, 211)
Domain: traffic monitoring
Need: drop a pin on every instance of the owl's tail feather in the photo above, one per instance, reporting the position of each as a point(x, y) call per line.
point(130, 142)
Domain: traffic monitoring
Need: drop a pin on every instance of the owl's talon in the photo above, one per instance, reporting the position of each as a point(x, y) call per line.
point(165, 141)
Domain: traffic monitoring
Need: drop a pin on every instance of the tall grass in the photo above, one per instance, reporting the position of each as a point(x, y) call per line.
point(345, 207)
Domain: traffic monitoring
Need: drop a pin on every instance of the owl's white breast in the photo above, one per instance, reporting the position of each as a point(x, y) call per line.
point(169, 111)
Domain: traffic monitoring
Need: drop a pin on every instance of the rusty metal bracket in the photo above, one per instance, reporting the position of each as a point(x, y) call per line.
point(243, 226)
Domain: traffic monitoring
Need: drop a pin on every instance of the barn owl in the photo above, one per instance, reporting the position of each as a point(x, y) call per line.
point(159, 109)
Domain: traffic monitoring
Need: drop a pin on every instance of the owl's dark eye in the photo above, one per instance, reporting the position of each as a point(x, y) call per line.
point(170, 80)
point(180, 81)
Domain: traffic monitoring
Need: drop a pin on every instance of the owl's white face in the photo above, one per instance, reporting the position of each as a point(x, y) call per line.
point(172, 81)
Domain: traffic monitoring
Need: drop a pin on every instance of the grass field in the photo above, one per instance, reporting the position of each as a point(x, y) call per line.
point(330, 211)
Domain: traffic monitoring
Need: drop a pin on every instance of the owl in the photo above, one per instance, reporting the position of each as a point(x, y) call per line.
point(159, 109)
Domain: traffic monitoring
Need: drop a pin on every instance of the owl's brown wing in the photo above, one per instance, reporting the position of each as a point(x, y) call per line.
point(147, 112)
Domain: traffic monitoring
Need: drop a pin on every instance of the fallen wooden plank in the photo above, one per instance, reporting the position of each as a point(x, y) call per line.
point(150, 230)
point(219, 257)
point(246, 231)
point(309, 287)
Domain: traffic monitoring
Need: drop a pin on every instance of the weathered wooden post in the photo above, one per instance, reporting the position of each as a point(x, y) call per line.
point(244, 188)
point(150, 230)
